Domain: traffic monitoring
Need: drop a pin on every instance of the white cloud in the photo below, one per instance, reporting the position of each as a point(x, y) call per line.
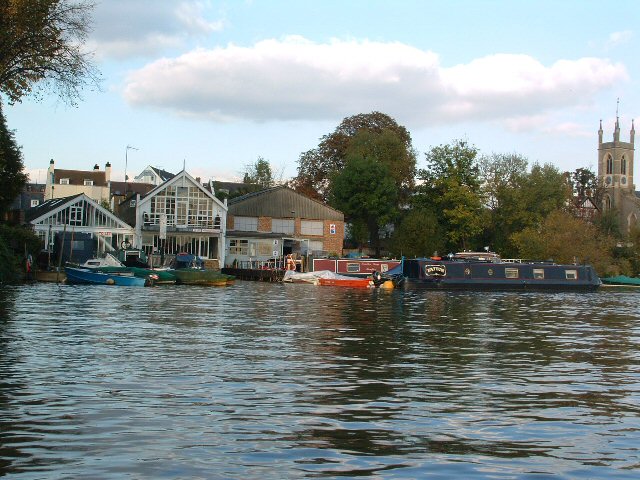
point(125, 28)
point(619, 38)
point(295, 78)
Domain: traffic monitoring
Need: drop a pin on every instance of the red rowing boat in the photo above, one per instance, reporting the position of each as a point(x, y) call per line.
point(346, 282)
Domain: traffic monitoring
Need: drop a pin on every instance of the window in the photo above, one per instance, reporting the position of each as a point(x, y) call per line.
point(282, 225)
point(353, 267)
point(35, 202)
point(538, 274)
point(623, 166)
point(571, 274)
point(88, 183)
point(609, 164)
point(75, 215)
point(311, 227)
point(265, 249)
point(246, 224)
point(239, 247)
point(64, 181)
point(511, 272)
point(132, 204)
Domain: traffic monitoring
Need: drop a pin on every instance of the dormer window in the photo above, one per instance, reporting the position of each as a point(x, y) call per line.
point(64, 181)
point(88, 183)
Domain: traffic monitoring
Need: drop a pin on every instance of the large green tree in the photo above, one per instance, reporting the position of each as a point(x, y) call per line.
point(418, 234)
point(451, 187)
point(41, 45)
point(374, 135)
point(365, 192)
point(12, 176)
point(566, 239)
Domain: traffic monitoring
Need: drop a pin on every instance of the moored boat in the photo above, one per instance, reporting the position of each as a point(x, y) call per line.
point(87, 276)
point(346, 282)
point(189, 270)
point(187, 276)
point(488, 271)
point(622, 281)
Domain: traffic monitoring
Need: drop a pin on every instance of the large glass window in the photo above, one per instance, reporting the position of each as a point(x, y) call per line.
point(185, 206)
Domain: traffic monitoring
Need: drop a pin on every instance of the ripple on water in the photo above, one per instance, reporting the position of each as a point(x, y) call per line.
point(290, 381)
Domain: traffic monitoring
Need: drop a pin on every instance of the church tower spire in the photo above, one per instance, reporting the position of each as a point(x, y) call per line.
point(616, 131)
point(600, 133)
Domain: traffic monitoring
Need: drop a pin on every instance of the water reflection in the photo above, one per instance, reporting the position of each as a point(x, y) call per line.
point(288, 381)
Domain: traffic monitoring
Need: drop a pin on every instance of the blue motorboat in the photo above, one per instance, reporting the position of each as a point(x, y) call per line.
point(87, 276)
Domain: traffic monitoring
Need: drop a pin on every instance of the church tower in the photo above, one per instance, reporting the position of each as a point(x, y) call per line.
point(615, 170)
point(615, 163)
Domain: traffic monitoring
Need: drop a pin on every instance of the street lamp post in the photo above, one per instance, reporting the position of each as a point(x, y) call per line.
point(126, 162)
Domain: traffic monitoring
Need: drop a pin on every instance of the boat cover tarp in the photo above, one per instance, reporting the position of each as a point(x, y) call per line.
point(291, 276)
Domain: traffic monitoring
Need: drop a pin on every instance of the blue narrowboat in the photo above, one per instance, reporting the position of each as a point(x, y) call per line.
point(487, 271)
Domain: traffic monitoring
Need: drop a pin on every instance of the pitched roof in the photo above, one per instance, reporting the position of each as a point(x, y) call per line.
point(77, 177)
point(46, 207)
point(282, 202)
point(118, 188)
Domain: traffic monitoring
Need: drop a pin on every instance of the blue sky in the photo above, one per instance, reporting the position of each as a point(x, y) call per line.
point(213, 85)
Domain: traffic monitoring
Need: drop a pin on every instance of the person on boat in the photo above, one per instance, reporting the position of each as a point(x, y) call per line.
point(291, 263)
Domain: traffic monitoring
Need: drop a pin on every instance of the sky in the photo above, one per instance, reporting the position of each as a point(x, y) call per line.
point(211, 86)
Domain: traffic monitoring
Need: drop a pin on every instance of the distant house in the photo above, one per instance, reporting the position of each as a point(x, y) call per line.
point(278, 221)
point(153, 175)
point(31, 196)
point(62, 183)
point(79, 214)
point(180, 215)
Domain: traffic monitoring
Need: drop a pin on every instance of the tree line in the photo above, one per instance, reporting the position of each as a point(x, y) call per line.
point(460, 199)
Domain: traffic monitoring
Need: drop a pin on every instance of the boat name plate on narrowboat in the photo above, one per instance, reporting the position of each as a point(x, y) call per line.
point(435, 270)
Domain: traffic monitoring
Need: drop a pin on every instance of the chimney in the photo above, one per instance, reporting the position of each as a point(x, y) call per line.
point(96, 167)
point(107, 172)
point(198, 180)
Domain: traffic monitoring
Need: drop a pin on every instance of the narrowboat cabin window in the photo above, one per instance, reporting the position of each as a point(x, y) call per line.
point(511, 272)
point(538, 273)
point(353, 267)
point(571, 274)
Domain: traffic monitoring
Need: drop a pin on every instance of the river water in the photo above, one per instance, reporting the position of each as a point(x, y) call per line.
point(273, 381)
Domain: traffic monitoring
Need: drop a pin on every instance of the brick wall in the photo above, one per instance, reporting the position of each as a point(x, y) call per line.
point(333, 242)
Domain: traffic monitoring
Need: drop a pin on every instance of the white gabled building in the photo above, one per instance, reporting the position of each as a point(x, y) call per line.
point(180, 215)
point(80, 214)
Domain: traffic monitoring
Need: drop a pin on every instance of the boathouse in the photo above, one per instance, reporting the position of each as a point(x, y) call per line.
point(180, 215)
point(79, 215)
point(265, 226)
